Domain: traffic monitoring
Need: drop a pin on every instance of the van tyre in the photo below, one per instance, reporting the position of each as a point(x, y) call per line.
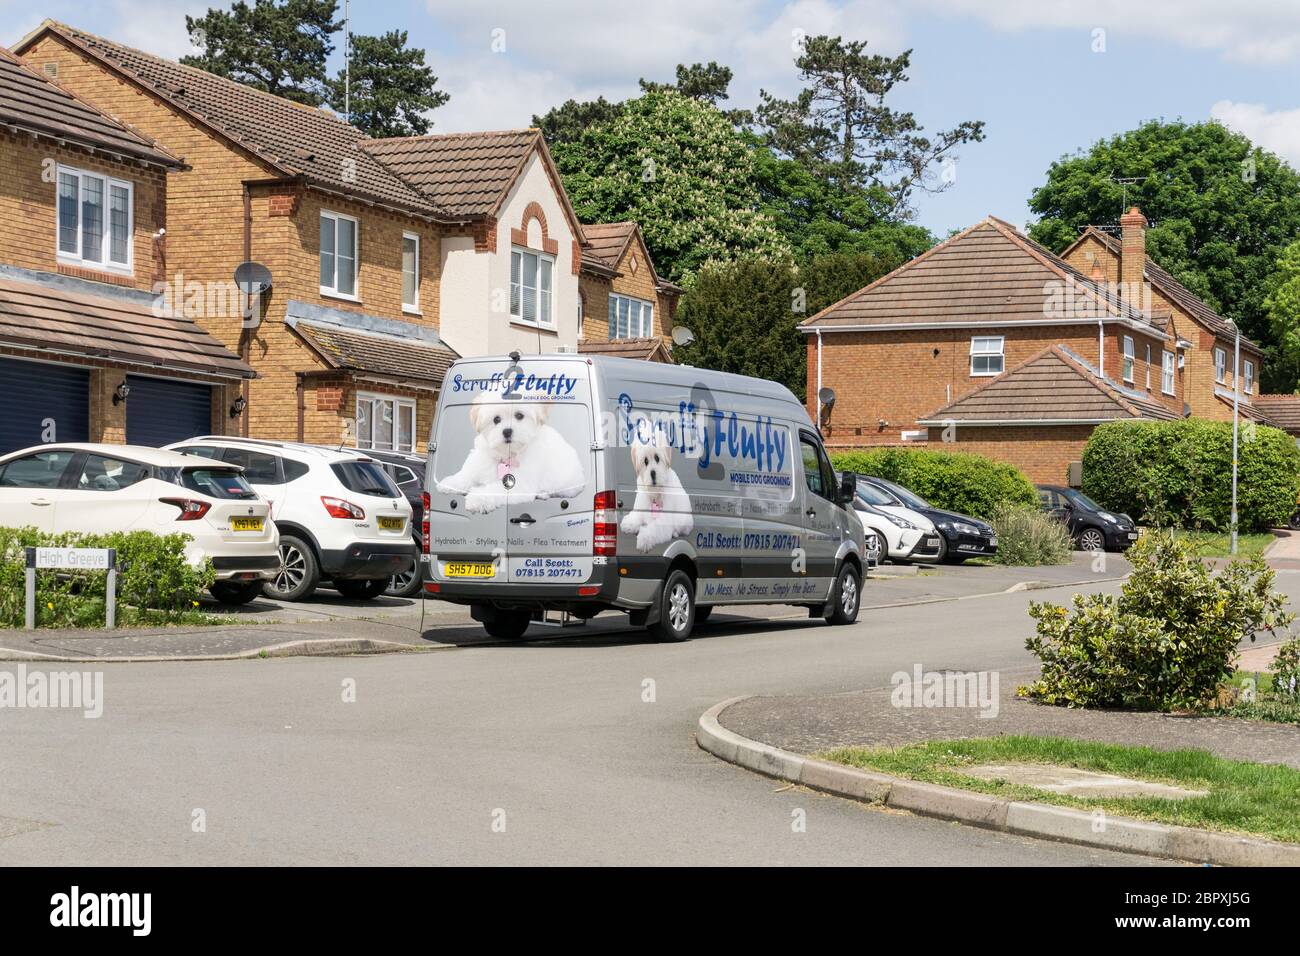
point(299, 571)
point(508, 625)
point(361, 590)
point(676, 608)
point(236, 592)
point(846, 596)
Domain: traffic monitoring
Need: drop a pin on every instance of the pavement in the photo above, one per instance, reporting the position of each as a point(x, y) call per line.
point(1284, 553)
point(329, 623)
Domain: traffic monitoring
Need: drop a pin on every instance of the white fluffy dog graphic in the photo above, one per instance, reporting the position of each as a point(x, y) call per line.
point(514, 438)
point(662, 509)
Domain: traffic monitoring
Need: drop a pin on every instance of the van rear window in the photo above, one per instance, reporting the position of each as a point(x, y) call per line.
point(365, 478)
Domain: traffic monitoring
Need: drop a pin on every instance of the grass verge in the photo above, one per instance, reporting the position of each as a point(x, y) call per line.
point(1263, 702)
point(1213, 544)
point(1250, 798)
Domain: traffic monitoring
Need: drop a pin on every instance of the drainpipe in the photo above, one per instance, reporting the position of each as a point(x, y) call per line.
point(1101, 348)
point(299, 392)
point(244, 344)
point(819, 381)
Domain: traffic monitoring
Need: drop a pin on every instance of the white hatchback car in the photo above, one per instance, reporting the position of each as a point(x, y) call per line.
point(905, 534)
point(341, 518)
point(100, 489)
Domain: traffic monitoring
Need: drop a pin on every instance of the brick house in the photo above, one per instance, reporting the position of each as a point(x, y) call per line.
point(387, 258)
point(627, 309)
point(989, 343)
point(86, 353)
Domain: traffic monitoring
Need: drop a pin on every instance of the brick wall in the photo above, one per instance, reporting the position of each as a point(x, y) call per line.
point(1042, 453)
point(638, 283)
point(28, 208)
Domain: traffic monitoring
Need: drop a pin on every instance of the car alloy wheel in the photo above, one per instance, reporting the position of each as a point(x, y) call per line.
point(405, 583)
point(293, 568)
point(1090, 539)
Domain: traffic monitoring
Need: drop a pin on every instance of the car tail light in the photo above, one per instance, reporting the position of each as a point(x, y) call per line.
point(604, 538)
point(424, 524)
point(338, 508)
point(191, 510)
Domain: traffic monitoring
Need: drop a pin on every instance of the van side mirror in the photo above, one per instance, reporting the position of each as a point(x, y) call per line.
point(848, 487)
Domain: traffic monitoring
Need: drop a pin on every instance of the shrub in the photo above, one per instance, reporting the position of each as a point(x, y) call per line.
point(1179, 474)
point(967, 484)
point(1167, 641)
point(1286, 670)
point(155, 582)
point(1028, 536)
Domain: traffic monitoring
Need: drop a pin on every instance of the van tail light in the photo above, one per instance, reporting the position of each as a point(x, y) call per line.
point(424, 524)
point(191, 510)
point(338, 508)
point(604, 538)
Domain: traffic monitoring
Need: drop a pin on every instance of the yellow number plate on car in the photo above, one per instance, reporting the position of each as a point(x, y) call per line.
point(391, 524)
point(245, 524)
point(469, 570)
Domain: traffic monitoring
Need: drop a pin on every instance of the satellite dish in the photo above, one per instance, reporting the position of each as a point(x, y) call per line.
point(253, 278)
point(826, 396)
point(682, 335)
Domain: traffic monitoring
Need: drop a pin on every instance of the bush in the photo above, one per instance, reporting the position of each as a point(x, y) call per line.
point(1167, 641)
point(1179, 474)
point(155, 582)
point(967, 484)
point(1286, 671)
point(1028, 536)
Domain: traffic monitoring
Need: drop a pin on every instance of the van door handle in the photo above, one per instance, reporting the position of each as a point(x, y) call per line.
point(523, 519)
point(811, 512)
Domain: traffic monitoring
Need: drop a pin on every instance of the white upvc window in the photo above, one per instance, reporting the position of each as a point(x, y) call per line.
point(1248, 385)
point(338, 255)
point(1128, 358)
point(1166, 372)
point(95, 215)
point(531, 288)
point(986, 356)
point(385, 422)
point(630, 318)
point(1148, 361)
point(1220, 365)
point(410, 272)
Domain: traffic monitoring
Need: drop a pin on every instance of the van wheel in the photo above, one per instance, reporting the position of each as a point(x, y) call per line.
point(676, 608)
point(846, 596)
point(299, 573)
point(508, 625)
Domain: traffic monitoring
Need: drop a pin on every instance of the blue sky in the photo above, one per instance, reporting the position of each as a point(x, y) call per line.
point(1029, 68)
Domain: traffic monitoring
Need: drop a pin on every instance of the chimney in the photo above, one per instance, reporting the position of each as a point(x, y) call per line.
point(1132, 256)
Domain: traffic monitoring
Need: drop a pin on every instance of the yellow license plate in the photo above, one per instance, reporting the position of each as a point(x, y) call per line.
point(469, 570)
point(391, 524)
point(245, 524)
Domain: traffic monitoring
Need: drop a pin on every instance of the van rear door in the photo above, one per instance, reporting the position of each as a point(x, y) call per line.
point(513, 477)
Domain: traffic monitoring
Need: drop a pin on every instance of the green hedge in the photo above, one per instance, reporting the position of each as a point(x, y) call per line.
point(968, 484)
point(155, 583)
point(1179, 474)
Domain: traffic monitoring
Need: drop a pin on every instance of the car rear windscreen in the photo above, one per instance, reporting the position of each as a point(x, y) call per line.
point(215, 483)
point(365, 478)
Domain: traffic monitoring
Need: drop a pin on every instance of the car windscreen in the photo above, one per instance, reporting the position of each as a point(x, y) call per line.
point(365, 478)
point(1079, 498)
point(224, 483)
point(909, 498)
point(873, 495)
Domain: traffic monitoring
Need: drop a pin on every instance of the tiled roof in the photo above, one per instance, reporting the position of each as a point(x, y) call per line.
point(393, 350)
point(606, 242)
point(1281, 411)
point(1053, 386)
point(31, 102)
point(297, 140)
point(1174, 290)
point(463, 174)
point(56, 317)
point(649, 349)
point(989, 273)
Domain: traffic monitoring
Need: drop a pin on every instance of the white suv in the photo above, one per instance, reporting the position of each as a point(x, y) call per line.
point(340, 517)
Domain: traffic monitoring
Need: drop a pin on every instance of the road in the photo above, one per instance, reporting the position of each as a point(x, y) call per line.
point(540, 753)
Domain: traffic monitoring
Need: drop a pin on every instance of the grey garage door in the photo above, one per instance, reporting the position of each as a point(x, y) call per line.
point(43, 403)
point(160, 411)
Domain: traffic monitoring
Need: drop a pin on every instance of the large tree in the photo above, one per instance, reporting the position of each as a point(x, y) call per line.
point(279, 46)
point(746, 314)
point(1221, 211)
point(680, 169)
point(391, 88)
point(841, 127)
point(1282, 305)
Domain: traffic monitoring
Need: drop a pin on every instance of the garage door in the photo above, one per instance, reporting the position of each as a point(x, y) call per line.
point(43, 403)
point(159, 412)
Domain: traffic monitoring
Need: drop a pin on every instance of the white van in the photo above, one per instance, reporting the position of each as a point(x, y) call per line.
point(584, 483)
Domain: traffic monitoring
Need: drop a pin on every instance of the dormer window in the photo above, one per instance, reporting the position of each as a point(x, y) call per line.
point(95, 220)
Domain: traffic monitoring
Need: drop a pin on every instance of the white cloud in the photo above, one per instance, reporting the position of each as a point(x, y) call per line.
point(1276, 130)
point(1249, 31)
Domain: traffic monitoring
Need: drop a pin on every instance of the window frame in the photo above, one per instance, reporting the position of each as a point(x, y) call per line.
point(411, 308)
point(1128, 358)
point(518, 296)
point(1248, 376)
point(646, 319)
point(105, 263)
point(1168, 370)
point(1148, 360)
point(985, 353)
point(398, 403)
point(333, 291)
point(1220, 365)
